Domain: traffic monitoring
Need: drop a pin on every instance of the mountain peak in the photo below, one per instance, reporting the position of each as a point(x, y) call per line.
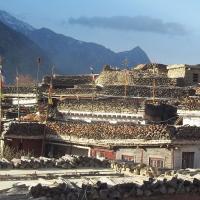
point(138, 48)
point(70, 56)
point(15, 23)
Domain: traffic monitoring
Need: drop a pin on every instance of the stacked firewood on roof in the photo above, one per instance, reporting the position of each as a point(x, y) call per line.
point(160, 81)
point(145, 91)
point(67, 81)
point(32, 117)
point(65, 162)
point(104, 130)
point(73, 91)
point(27, 128)
point(188, 133)
point(102, 105)
point(20, 90)
point(191, 103)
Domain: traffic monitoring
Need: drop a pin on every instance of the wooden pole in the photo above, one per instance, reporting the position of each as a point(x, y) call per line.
point(126, 83)
point(1, 66)
point(18, 111)
point(126, 78)
point(2, 141)
point(50, 102)
point(37, 83)
point(154, 85)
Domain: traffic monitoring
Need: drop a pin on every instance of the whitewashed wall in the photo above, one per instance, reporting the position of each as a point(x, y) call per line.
point(187, 148)
point(162, 153)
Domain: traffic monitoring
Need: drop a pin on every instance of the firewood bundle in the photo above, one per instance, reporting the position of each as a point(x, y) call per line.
point(65, 162)
point(72, 91)
point(27, 128)
point(147, 91)
point(131, 190)
point(102, 105)
point(188, 133)
point(103, 130)
point(67, 81)
point(191, 103)
point(159, 81)
point(21, 90)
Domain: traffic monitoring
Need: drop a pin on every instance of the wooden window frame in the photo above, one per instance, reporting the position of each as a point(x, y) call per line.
point(195, 78)
point(156, 162)
point(130, 158)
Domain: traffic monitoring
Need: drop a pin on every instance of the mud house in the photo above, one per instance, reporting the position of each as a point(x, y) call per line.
point(190, 73)
point(161, 146)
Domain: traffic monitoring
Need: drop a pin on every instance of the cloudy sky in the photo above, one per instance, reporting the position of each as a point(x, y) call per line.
point(168, 30)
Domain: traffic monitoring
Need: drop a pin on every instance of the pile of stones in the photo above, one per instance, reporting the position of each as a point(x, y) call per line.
point(151, 187)
point(65, 162)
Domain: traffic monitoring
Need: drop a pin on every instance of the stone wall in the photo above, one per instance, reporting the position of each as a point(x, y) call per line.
point(143, 155)
point(152, 189)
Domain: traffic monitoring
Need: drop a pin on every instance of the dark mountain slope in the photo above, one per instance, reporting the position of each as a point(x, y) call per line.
point(69, 55)
point(20, 52)
point(74, 56)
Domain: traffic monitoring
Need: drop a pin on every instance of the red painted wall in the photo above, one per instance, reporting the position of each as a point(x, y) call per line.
point(28, 145)
point(108, 154)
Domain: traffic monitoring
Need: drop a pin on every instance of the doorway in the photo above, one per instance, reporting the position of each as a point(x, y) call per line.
point(187, 160)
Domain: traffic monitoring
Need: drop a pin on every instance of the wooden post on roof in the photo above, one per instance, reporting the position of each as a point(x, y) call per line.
point(1, 66)
point(154, 85)
point(37, 76)
point(1, 80)
point(93, 84)
point(49, 103)
point(126, 77)
point(0, 90)
point(17, 82)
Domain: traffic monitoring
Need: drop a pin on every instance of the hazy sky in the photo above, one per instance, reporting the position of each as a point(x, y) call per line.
point(168, 30)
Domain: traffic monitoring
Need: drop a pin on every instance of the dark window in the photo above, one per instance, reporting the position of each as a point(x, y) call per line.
point(127, 158)
point(187, 160)
point(195, 78)
point(156, 162)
